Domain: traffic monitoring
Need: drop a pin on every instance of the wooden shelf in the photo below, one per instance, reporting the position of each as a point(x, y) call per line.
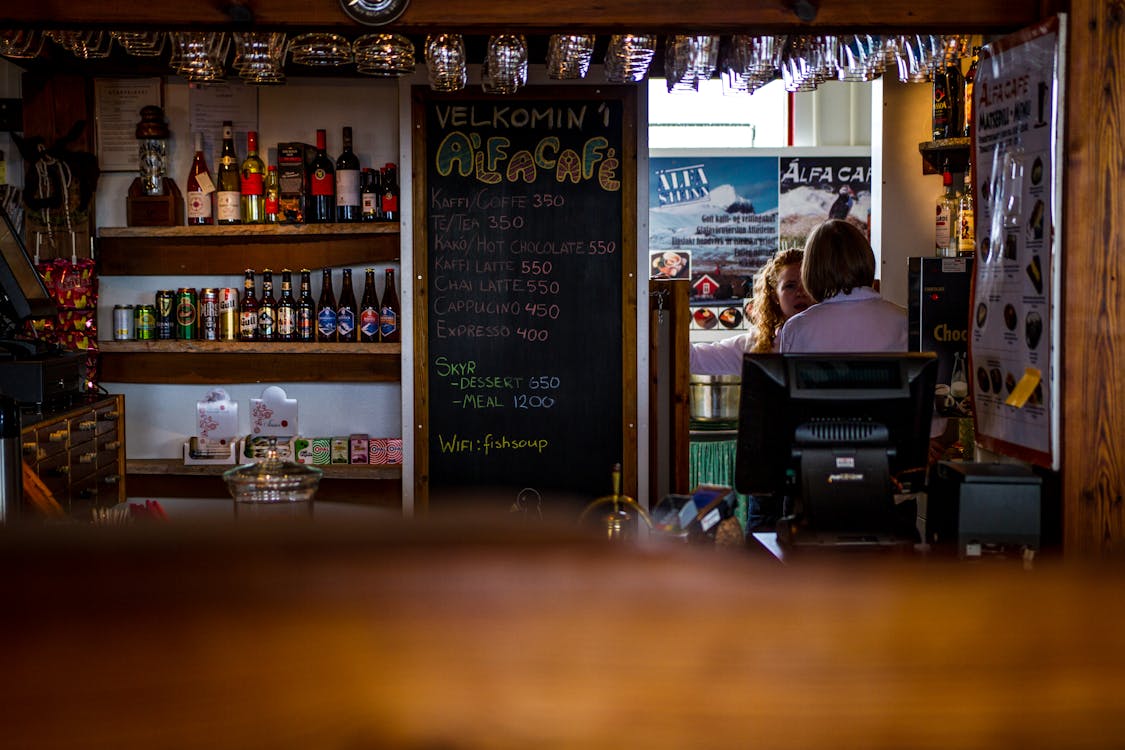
point(224, 250)
point(934, 154)
point(176, 467)
point(207, 362)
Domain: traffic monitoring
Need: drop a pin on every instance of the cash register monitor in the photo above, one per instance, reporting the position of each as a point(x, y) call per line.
point(830, 430)
point(22, 293)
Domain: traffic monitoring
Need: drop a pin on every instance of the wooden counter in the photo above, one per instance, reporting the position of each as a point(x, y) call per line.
point(449, 635)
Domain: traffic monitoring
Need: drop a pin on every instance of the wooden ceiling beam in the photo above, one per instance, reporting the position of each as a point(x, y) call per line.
point(544, 16)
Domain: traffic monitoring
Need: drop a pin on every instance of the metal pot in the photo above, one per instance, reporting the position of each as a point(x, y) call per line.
point(714, 398)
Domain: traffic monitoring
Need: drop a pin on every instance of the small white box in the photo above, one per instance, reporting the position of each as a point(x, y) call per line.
point(216, 419)
point(211, 456)
point(273, 414)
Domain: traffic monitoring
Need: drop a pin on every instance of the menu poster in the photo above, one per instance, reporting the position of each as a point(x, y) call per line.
point(718, 212)
point(526, 296)
point(1013, 354)
point(117, 110)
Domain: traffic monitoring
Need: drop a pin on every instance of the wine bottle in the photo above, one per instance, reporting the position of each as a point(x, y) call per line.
point(945, 235)
point(369, 309)
point(228, 196)
point(347, 182)
point(326, 309)
point(248, 310)
point(200, 186)
point(252, 183)
point(948, 96)
point(306, 310)
point(267, 309)
point(389, 310)
point(272, 203)
point(966, 215)
point(389, 205)
point(345, 310)
point(286, 323)
point(321, 206)
point(970, 82)
point(371, 195)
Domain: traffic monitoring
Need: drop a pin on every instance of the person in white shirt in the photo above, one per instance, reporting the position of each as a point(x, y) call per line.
point(778, 295)
point(838, 271)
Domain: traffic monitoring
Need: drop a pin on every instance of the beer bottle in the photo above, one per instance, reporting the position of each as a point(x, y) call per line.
point(345, 311)
point(228, 197)
point(248, 310)
point(305, 329)
point(326, 309)
point(347, 182)
point(371, 195)
point(389, 206)
point(267, 309)
point(369, 309)
point(273, 196)
point(321, 207)
point(252, 183)
point(286, 309)
point(389, 310)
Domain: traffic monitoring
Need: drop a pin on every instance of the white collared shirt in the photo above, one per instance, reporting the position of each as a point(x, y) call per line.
point(858, 322)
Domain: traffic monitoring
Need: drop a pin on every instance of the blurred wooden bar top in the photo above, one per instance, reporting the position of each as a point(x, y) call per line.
point(444, 635)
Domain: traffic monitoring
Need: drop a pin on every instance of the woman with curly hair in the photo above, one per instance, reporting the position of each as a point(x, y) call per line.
point(778, 296)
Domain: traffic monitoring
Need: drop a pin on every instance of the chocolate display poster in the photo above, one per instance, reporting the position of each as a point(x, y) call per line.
point(716, 215)
point(1017, 119)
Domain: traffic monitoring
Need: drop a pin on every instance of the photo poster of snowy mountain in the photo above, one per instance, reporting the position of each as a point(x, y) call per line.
point(724, 216)
point(719, 214)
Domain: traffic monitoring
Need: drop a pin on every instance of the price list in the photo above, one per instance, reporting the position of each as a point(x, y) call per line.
point(524, 263)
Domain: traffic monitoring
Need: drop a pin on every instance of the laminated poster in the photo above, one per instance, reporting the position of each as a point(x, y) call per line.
point(1013, 352)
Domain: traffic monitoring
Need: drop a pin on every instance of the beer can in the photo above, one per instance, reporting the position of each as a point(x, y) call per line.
point(165, 314)
point(123, 329)
point(187, 314)
point(209, 314)
point(144, 322)
point(228, 314)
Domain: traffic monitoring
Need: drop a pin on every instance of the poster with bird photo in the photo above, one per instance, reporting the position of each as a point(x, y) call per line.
point(813, 189)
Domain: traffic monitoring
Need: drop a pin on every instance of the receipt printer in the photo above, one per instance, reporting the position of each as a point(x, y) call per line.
point(979, 506)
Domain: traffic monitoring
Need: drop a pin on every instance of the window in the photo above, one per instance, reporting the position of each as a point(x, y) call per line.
point(711, 118)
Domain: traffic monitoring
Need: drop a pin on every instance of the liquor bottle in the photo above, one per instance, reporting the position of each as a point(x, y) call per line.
point(272, 203)
point(248, 310)
point(966, 216)
point(326, 309)
point(228, 196)
point(252, 183)
point(948, 101)
point(267, 309)
point(347, 182)
point(389, 179)
point(389, 330)
point(286, 309)
point(305, 329)
point(369, 309)
point(970, 80)
point(370, 195)
point(321, 206)
point(345, 310)
point(945, 236)
point(200, 186)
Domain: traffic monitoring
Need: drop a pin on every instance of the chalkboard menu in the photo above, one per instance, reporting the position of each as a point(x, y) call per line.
point(526, 302)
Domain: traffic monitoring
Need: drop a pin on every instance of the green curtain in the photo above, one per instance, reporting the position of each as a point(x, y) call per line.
point(711, 461)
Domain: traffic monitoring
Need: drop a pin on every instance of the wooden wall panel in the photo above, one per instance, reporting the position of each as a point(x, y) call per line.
point(1093, 296)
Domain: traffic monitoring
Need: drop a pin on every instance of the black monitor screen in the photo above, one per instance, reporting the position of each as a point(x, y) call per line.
point(827, 427)
point(22, 293)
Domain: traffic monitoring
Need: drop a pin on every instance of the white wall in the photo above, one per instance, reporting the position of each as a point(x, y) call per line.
point(904, 224)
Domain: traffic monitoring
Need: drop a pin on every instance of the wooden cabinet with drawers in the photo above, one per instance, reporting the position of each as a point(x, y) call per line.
point(79, 452)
